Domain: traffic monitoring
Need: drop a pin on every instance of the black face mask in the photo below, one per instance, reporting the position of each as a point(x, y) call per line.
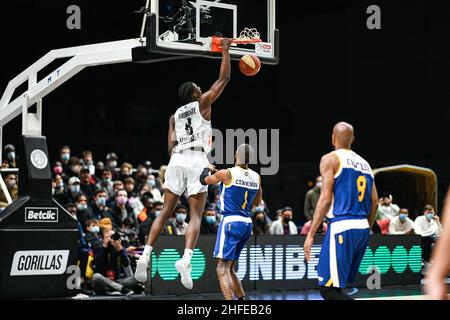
point(259, 221)
point(286, 219)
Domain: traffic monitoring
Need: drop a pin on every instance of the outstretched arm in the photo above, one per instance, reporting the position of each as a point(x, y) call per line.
point(216, 89)
point(171, 136)
point(219, 176)
point(328, 167)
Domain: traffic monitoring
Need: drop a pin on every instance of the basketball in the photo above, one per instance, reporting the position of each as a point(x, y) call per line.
point(249, 65)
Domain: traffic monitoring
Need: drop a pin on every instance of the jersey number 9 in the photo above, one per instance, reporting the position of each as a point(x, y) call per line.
point(361, 184)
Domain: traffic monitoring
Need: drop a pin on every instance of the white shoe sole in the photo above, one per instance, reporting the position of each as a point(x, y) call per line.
point(186, 279)
point(141, 271)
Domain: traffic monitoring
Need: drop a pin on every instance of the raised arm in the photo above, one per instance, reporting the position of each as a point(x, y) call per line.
point(171, 136)
point(219, 176)
point(328, 166)
point(216, 89)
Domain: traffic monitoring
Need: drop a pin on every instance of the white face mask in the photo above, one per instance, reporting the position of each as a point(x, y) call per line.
point(181, 217)
point(157, 213)
point(319, 185)
point(95, 229)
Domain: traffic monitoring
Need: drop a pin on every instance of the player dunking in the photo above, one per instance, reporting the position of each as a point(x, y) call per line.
point(349, 195)
point(240, 191)
point(189, 140)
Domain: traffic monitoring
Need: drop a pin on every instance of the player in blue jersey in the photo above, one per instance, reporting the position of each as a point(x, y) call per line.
point(240, 191)
point(350, 200)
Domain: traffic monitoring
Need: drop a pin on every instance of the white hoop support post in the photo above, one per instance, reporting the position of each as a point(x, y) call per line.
point(81, 57)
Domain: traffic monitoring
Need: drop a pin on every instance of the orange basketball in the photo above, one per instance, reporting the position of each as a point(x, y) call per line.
point(249, 65)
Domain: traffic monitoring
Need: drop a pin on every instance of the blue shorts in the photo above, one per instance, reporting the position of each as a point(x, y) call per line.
point(343, 248)
point(232, 235)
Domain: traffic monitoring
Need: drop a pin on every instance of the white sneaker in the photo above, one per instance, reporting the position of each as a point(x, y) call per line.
point(141, 269)
point(185, 272)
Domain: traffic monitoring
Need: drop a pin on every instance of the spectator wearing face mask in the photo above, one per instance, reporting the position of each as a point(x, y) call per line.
point(92, 236)
point(284, 225)
point(180, 219)
point(57, 169)
point(429, 227)
point(121, 210)
point(151, 182)
point(84, 211)
point(87, 161)
point(401, 224)
point(99, 208)
point(10, 155)
point(209, 224)
point(87, 185)
point(117, 185)
point(64, 156)
point(12, 187)
point(311, 199)
point(260, 225)
point(106, 183)
point(111, 163)
point(73, 189)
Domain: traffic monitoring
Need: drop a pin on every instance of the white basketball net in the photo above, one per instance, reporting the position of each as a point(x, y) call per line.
point(249, 34)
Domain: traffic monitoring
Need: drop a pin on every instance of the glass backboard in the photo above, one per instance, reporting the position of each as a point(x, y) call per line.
point(184, 27)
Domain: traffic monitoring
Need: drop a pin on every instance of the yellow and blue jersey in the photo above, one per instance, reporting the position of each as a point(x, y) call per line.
point(352, 193)
point(237, 197)
point(347, 236)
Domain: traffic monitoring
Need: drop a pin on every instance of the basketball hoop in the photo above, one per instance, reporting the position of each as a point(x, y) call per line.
point(247, 36)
